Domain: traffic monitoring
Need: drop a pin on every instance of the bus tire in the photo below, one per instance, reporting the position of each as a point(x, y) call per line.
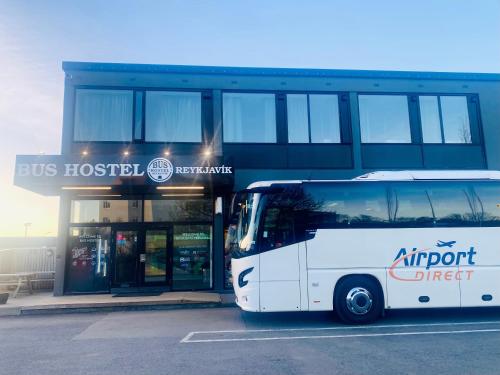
point(358, 300)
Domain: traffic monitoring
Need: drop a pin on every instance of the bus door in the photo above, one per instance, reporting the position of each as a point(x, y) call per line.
point(279, 261)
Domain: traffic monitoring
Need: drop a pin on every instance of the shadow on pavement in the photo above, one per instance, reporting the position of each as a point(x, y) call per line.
point(407, 316)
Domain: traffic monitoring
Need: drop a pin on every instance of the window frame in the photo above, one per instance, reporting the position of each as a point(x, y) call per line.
point(104, 88)
point(345, 128)
point(277, 111)
point(473, 112)
point(206, 114)
point(413, 118)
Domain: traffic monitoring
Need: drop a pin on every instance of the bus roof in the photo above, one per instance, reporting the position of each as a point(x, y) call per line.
point(430, 175)
point(398, 176)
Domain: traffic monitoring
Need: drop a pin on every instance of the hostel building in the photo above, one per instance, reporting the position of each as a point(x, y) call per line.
point(151, 155)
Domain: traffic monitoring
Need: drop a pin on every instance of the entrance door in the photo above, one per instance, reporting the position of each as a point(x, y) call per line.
point(126, 265)
point(155, 257)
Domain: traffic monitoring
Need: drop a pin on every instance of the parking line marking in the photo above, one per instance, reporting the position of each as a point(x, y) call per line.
point(188, 340)
point(188, 336)
point(345, 327)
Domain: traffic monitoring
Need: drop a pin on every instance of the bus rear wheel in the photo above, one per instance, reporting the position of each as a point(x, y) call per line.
point(358, 300)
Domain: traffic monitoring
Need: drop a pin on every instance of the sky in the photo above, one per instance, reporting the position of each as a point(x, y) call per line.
point(36, 36)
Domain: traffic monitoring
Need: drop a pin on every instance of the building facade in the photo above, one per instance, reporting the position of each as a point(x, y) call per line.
point(152, 155)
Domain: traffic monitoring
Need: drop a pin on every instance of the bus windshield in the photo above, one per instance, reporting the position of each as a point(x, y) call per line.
point(247, 226)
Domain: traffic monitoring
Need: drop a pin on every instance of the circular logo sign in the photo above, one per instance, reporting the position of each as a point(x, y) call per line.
point(160, 169)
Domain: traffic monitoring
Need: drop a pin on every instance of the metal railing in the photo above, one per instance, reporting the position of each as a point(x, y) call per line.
point(30, 259)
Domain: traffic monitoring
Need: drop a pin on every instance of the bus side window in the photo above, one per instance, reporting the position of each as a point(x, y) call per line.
point(452, 204)
point(347, 205)
point(410, 206)
point(277, 230)
point(488, 197)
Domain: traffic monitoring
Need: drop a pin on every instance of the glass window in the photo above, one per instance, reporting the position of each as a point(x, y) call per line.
point(410, 206)
point(384, 119)
point(346, 205)
point(488, 196)
point(89, 264)
point(298, 118)
point(177, 210)
point(105, 211)
point(139, 95)
point(249, 118)
point(173, 116)
point(453, 124)
point(456, 126)
point(277, 228)
point(192, 257)
point(429, 117)
point(324, 114)
point(318, 114)
point(103, 115)
point(452, 204)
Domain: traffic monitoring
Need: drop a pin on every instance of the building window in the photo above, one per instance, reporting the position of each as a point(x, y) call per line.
point(103, 115)
point(445, 119)
point(173, 116)
point(98, 211)
point(384, 119)
point(177, 210)
point(313, 118)
point(249, 117)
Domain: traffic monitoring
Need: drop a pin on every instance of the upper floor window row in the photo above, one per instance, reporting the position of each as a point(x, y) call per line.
point(390, 119)
point(108, 116)
point(177, 116)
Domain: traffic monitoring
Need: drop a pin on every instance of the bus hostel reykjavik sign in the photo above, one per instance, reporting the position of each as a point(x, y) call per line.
point(141, 169)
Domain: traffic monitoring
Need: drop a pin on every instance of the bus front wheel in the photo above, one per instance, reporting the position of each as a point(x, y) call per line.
point(358, 300)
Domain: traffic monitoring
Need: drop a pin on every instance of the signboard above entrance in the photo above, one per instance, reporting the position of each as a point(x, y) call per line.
point(47, 174)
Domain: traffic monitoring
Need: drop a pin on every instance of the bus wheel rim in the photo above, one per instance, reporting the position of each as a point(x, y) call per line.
point(359, 301)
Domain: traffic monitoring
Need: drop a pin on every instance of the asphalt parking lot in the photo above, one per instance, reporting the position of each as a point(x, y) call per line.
point(229, 341)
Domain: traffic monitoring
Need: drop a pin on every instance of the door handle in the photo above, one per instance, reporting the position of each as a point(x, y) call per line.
point(142, 258)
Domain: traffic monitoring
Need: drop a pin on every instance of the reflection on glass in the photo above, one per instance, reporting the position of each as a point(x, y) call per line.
point(88, 268)
point(192, 257)
point(297, 117)
point(126, 266)
point(456, 125)
point(156, 256)
point(177, 210)
point(106, 211)
point(384, 119)
point(324, 114)
point(429, 116)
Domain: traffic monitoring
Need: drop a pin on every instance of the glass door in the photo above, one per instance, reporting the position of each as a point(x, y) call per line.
point(126, 260)
point(192, 256)
point(155, 256)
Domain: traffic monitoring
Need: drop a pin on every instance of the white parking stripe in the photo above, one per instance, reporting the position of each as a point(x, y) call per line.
point(185, 340)
point(347, 327)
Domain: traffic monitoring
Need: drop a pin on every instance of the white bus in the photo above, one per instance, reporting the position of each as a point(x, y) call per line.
point(384, 240)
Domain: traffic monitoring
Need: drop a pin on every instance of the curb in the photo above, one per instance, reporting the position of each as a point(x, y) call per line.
point(53, 310)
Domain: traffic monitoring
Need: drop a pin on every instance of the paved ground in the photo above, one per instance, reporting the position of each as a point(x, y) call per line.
point(228, 341)
point(46, 302)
